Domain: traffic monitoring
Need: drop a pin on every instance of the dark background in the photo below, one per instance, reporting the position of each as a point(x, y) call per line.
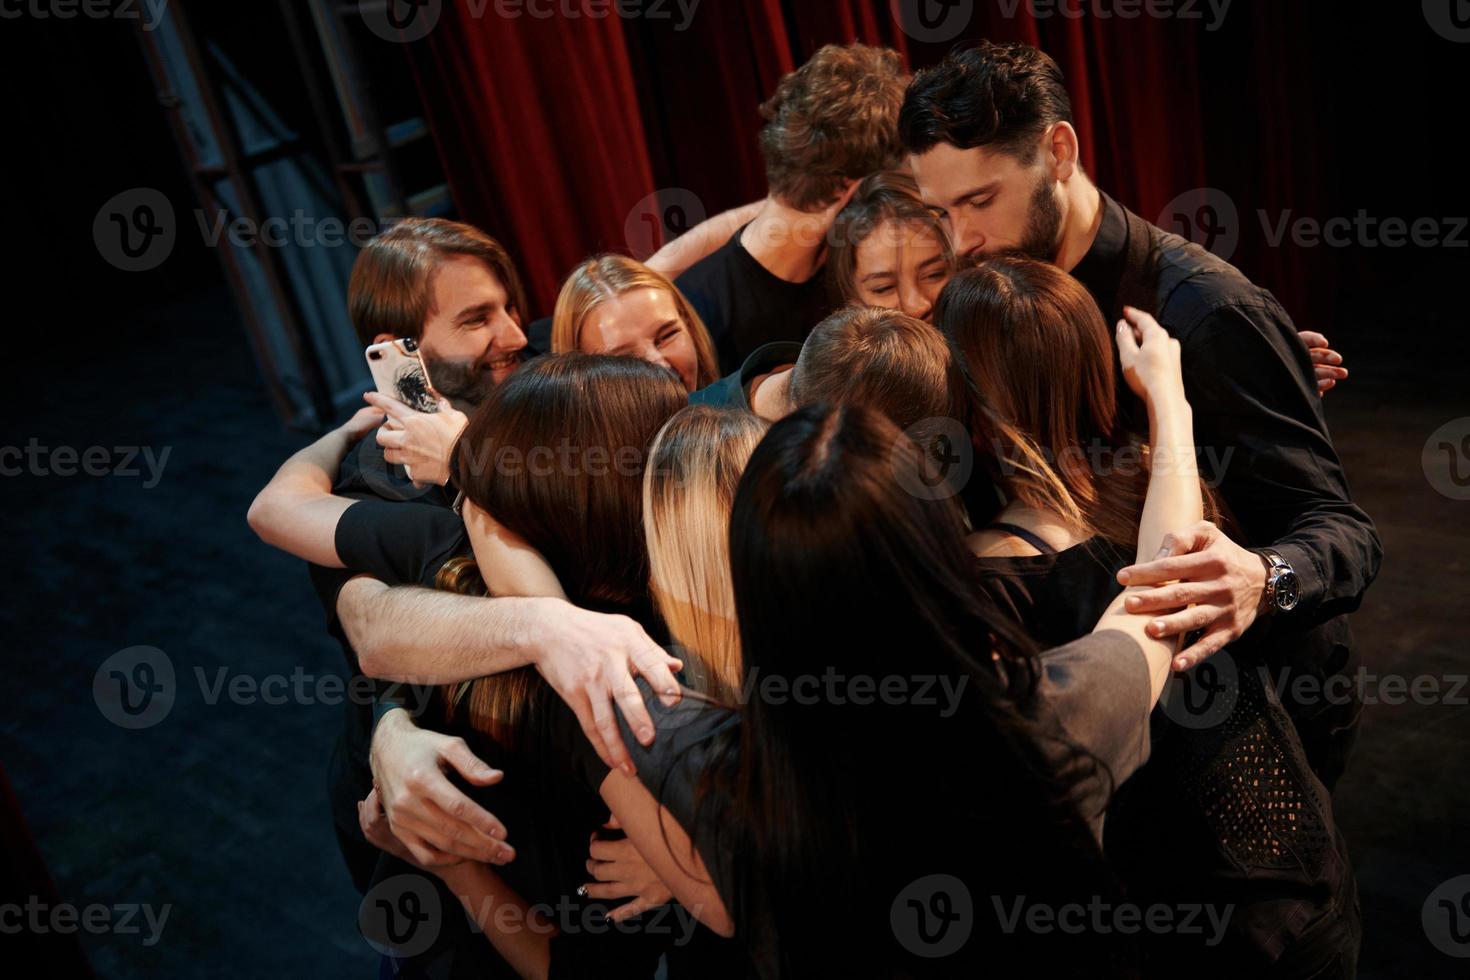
point(1320, 108)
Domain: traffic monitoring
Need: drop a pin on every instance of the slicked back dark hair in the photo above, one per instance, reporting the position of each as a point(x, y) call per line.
point(1001, 96)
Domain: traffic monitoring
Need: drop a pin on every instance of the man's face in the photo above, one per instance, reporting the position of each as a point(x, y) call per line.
point(992, 203)
point(471, 341)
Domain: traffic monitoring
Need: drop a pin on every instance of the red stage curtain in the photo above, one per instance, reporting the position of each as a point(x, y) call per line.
point(553, 131)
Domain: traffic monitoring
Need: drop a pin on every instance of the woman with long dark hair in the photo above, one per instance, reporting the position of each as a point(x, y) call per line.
point(1227, 815)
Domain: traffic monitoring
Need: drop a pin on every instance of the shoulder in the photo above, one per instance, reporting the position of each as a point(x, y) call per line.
point(1197, 287)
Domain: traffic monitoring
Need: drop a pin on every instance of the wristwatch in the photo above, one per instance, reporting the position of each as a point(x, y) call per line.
point(1282, 588)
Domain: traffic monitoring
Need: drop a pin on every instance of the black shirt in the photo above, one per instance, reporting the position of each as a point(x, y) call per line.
point(744, 306)
point(732, 391)
point(1254, 395)
point(365, 476)
point(1260, 431)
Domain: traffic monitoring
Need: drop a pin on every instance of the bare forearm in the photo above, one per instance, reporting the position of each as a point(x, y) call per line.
point(1173, 502)
point(701, 240)
point(296, 511)
point(422, 636)
point(519, 934)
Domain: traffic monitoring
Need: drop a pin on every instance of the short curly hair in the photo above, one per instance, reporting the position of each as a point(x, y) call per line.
point(998, 95)
point(833, 120)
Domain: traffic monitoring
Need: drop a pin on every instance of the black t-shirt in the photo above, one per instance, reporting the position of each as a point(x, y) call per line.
point(365, 476)
point(1227, 812)
point(731, 391)
point(745, 306)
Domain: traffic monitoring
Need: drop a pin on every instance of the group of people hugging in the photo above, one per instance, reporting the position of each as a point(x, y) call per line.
point(902, 575)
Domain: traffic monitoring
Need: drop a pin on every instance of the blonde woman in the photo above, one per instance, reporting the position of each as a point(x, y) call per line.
point(688, 489)
point(613, 304)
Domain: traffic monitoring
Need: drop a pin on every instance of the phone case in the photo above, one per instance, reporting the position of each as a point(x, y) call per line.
point(398, 371)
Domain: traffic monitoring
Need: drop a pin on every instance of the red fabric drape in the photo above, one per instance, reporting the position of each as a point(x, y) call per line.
point(538, 128)
point(554, 130)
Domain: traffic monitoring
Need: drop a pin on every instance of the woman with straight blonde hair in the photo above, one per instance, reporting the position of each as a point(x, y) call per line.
point(613, 304)
point(688, 490)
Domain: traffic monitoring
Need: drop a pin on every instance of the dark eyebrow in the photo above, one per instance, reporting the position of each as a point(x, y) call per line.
point(877, 275)
point(975, 192)
point(932, 260)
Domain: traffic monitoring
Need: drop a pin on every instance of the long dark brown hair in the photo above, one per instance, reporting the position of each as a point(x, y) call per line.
point(556, 455)
point(842, 804)
point(1035, 382)
point(890, 196)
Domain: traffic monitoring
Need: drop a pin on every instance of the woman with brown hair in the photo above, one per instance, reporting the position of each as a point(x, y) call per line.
point(1228, 813)
point(613, 304)
point(889, 249)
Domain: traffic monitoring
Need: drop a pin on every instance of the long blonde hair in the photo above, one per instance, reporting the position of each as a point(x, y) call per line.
point(605, 277)
point(688, 492)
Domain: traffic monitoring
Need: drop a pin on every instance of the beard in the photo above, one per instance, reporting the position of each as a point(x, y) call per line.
point(462, 380)
point(1041, 236)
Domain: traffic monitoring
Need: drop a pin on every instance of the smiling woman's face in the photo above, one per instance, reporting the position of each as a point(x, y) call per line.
point(901, 266)
point(643, 323)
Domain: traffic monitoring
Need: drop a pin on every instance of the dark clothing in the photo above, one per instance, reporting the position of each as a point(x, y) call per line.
point(744, 306)
point(538, 338)
point(733, 390)
point(364, 475)
point(548, 808)
point(1095, 688)
point(1254, 395)
point(1227, 813)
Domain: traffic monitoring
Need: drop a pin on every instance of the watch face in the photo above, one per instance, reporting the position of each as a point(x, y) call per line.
point(1286, 591)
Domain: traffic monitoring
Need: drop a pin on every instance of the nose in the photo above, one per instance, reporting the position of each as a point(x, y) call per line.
point(509, 337)
point(968, 240)
point(916, 304)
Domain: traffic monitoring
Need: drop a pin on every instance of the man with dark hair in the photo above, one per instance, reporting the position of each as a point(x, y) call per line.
point(830, 123)
point(991, 142)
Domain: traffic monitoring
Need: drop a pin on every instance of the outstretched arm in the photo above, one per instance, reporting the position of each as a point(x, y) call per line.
point(704, 238)
point(296, 511)
point(1150, 359)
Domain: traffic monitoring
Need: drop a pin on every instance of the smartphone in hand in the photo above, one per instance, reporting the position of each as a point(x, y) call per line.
point(399, 372)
